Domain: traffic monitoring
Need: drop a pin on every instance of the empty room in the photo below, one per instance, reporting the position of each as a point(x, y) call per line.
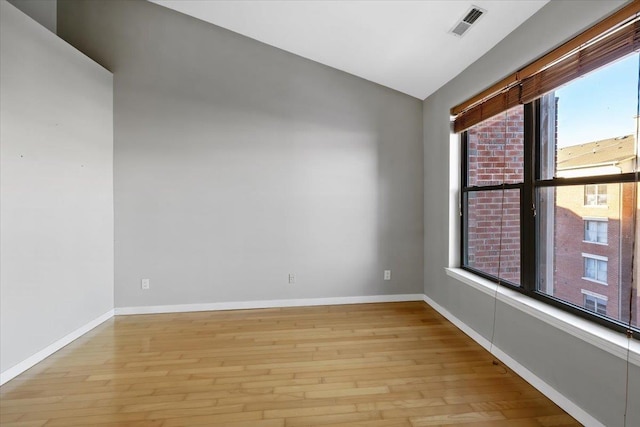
point(319, 213)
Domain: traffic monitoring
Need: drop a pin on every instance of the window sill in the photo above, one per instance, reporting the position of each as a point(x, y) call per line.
point(595, 243)
point(588, 279)
point(599, 336)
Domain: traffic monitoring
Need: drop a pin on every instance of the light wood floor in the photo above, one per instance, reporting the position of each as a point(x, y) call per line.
point(392, 364)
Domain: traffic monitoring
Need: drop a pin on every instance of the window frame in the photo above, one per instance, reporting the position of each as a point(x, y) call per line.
point(598, 300)
point(597, 260)
point(464, 214)
point(529, 227)
point(597, 195)
point(598, 222)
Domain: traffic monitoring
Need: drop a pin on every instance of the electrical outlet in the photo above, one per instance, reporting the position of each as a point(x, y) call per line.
point(145, 284)
point(292, 278)
point(387, 275)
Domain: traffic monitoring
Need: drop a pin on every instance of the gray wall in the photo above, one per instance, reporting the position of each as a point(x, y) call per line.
point(590, 377)
point(56, 187)
point(42, 11)
point(237, 163)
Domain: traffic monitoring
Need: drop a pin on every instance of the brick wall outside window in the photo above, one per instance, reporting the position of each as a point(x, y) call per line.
point(495, 152)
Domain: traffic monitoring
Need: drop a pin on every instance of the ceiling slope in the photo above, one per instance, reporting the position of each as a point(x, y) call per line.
point(404, 45)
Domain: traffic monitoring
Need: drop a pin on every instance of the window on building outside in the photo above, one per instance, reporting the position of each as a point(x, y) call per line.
point(595, 304)
point(545, 180)
point(595, 231)
point(595, 195)
point(595, 268)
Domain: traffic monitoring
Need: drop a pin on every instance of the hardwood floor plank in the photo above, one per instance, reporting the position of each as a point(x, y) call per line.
point(448, 419)
point(315, 386)
point(285, 405)
point(266, 398)
point(427, 411)
point(375, 423)
point(24, 424)
point(556, 420)
point(524, 422)
point(347, 392)
point(532, 412)
point(97, 420)
point(400, 404)
point(215, 419)
point(332, 419)
point(10, 417)
point(311, 411)
point(373, 365)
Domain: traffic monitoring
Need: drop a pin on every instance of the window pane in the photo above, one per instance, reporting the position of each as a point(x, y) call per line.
point(567, 261)
point(602, 308)
point(602, 271)
point(589, 303)
point(588, 125)
point(595, 231)
point(590, 234)
point(595, 304)
point(602, 232)
point(595, 269)
point(590, 268)
point(595, 195)
point(495, 149)
point(485, 247)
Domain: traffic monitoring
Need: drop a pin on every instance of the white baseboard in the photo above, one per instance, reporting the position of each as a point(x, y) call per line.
point(574, 410)
point(558, 398)
point(243, 305)
point(16, 370)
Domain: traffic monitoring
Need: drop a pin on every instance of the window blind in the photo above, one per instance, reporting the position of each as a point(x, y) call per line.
point(611, 39)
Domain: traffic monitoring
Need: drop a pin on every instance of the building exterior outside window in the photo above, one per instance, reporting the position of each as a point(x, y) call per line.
point(599, 213)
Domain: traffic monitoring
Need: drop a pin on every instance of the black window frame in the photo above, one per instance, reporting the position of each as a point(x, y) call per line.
point(529, 227)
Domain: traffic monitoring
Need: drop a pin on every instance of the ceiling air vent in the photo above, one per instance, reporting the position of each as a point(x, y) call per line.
point(469, 19)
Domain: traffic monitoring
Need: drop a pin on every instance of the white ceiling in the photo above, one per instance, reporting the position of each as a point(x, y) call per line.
point(404, 45)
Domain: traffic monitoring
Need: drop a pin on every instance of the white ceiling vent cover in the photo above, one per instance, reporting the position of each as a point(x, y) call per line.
point(469, 19)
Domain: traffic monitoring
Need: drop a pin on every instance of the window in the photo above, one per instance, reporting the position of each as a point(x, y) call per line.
point(595, 195)
point(541, 150)
point(595, 231)
point(595, 268)
point(597, 304)
point(492, 201)
point(531, 178)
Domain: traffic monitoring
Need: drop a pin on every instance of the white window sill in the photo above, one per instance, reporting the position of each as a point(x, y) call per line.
point(589, 279)
point(601, 337)
point(595, 243)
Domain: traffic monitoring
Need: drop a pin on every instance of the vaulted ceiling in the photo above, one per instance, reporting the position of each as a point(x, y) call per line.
point(405, 45)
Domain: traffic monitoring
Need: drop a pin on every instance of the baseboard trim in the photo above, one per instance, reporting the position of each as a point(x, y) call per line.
point(571, 408)
point(29, 362)
point(244, 305)
point(558, 398)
